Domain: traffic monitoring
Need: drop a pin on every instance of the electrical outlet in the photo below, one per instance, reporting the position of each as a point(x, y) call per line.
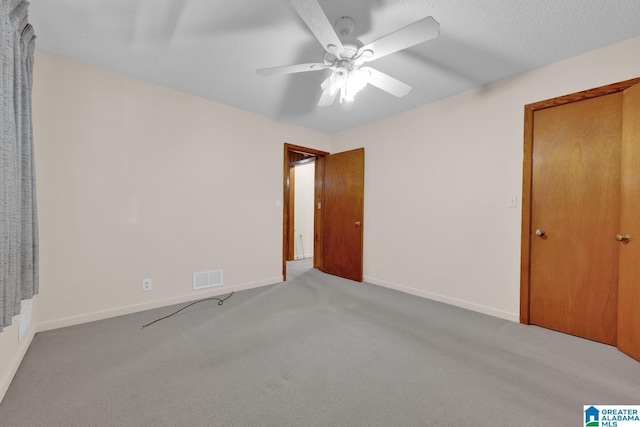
point(146, 285)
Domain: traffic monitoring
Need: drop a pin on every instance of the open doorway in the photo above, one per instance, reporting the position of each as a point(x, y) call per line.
point(301, 232)
point(302, 192)
point(303, 187)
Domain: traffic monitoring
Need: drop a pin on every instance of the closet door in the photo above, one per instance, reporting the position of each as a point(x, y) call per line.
point(575, 198)
point(629, 273)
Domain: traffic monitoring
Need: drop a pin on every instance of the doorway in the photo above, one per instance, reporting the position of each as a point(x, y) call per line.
point(338, 223)
point(577, 276)
point(303, 183)
point(295, 155)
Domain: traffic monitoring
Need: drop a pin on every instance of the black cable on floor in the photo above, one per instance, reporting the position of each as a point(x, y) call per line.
point(220, 302)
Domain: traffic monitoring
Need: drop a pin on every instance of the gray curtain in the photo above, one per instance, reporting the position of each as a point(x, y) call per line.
point(18, 214)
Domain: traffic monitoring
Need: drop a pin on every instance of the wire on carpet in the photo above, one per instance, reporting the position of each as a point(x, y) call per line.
point(220, 302)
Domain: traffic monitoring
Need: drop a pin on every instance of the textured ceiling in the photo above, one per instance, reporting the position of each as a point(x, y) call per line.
point(212, 48)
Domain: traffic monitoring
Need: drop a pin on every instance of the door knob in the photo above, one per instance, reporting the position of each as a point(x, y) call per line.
point(357, 223)
point(540, 232)
point(623, 238)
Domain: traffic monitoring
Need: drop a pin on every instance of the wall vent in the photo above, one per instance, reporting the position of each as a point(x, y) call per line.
point(25, 320)
point(207, 279)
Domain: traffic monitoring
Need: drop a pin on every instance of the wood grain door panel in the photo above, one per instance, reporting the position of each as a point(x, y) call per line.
point(343, 214)
point(575, 199)
point(629, 271)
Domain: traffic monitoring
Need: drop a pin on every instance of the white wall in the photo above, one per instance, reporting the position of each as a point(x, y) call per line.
point(303, 217)
point(437, 180)
point(138, 181)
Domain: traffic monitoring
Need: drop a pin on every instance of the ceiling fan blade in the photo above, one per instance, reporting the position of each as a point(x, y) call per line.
point(289, 69)
point(411, 35)
point(387, 83)
point(312, 15)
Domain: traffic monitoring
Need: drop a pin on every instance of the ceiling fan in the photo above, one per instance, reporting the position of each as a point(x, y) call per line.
point(346, 56)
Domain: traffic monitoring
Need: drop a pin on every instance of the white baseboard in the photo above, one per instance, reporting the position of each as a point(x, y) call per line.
point(11, 370)
point(120, 311)
point(513, 317)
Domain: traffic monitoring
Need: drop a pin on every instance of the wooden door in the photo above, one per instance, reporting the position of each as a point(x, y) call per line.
point(575, 198)
point(343, 214)
point(629, 272)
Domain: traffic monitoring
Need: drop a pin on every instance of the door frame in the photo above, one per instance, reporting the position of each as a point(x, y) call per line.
point(529, 110)
point(291, 153)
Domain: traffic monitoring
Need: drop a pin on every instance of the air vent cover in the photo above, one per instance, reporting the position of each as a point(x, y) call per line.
point(207, 279)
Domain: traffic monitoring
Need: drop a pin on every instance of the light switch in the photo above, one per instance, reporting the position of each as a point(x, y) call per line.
point(512, 202)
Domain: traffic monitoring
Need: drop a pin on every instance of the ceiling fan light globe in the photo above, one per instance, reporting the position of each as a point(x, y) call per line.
point(345, 95)
point(329, 87)
point(357, 80)
point(339, 79)
point(336, 81)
